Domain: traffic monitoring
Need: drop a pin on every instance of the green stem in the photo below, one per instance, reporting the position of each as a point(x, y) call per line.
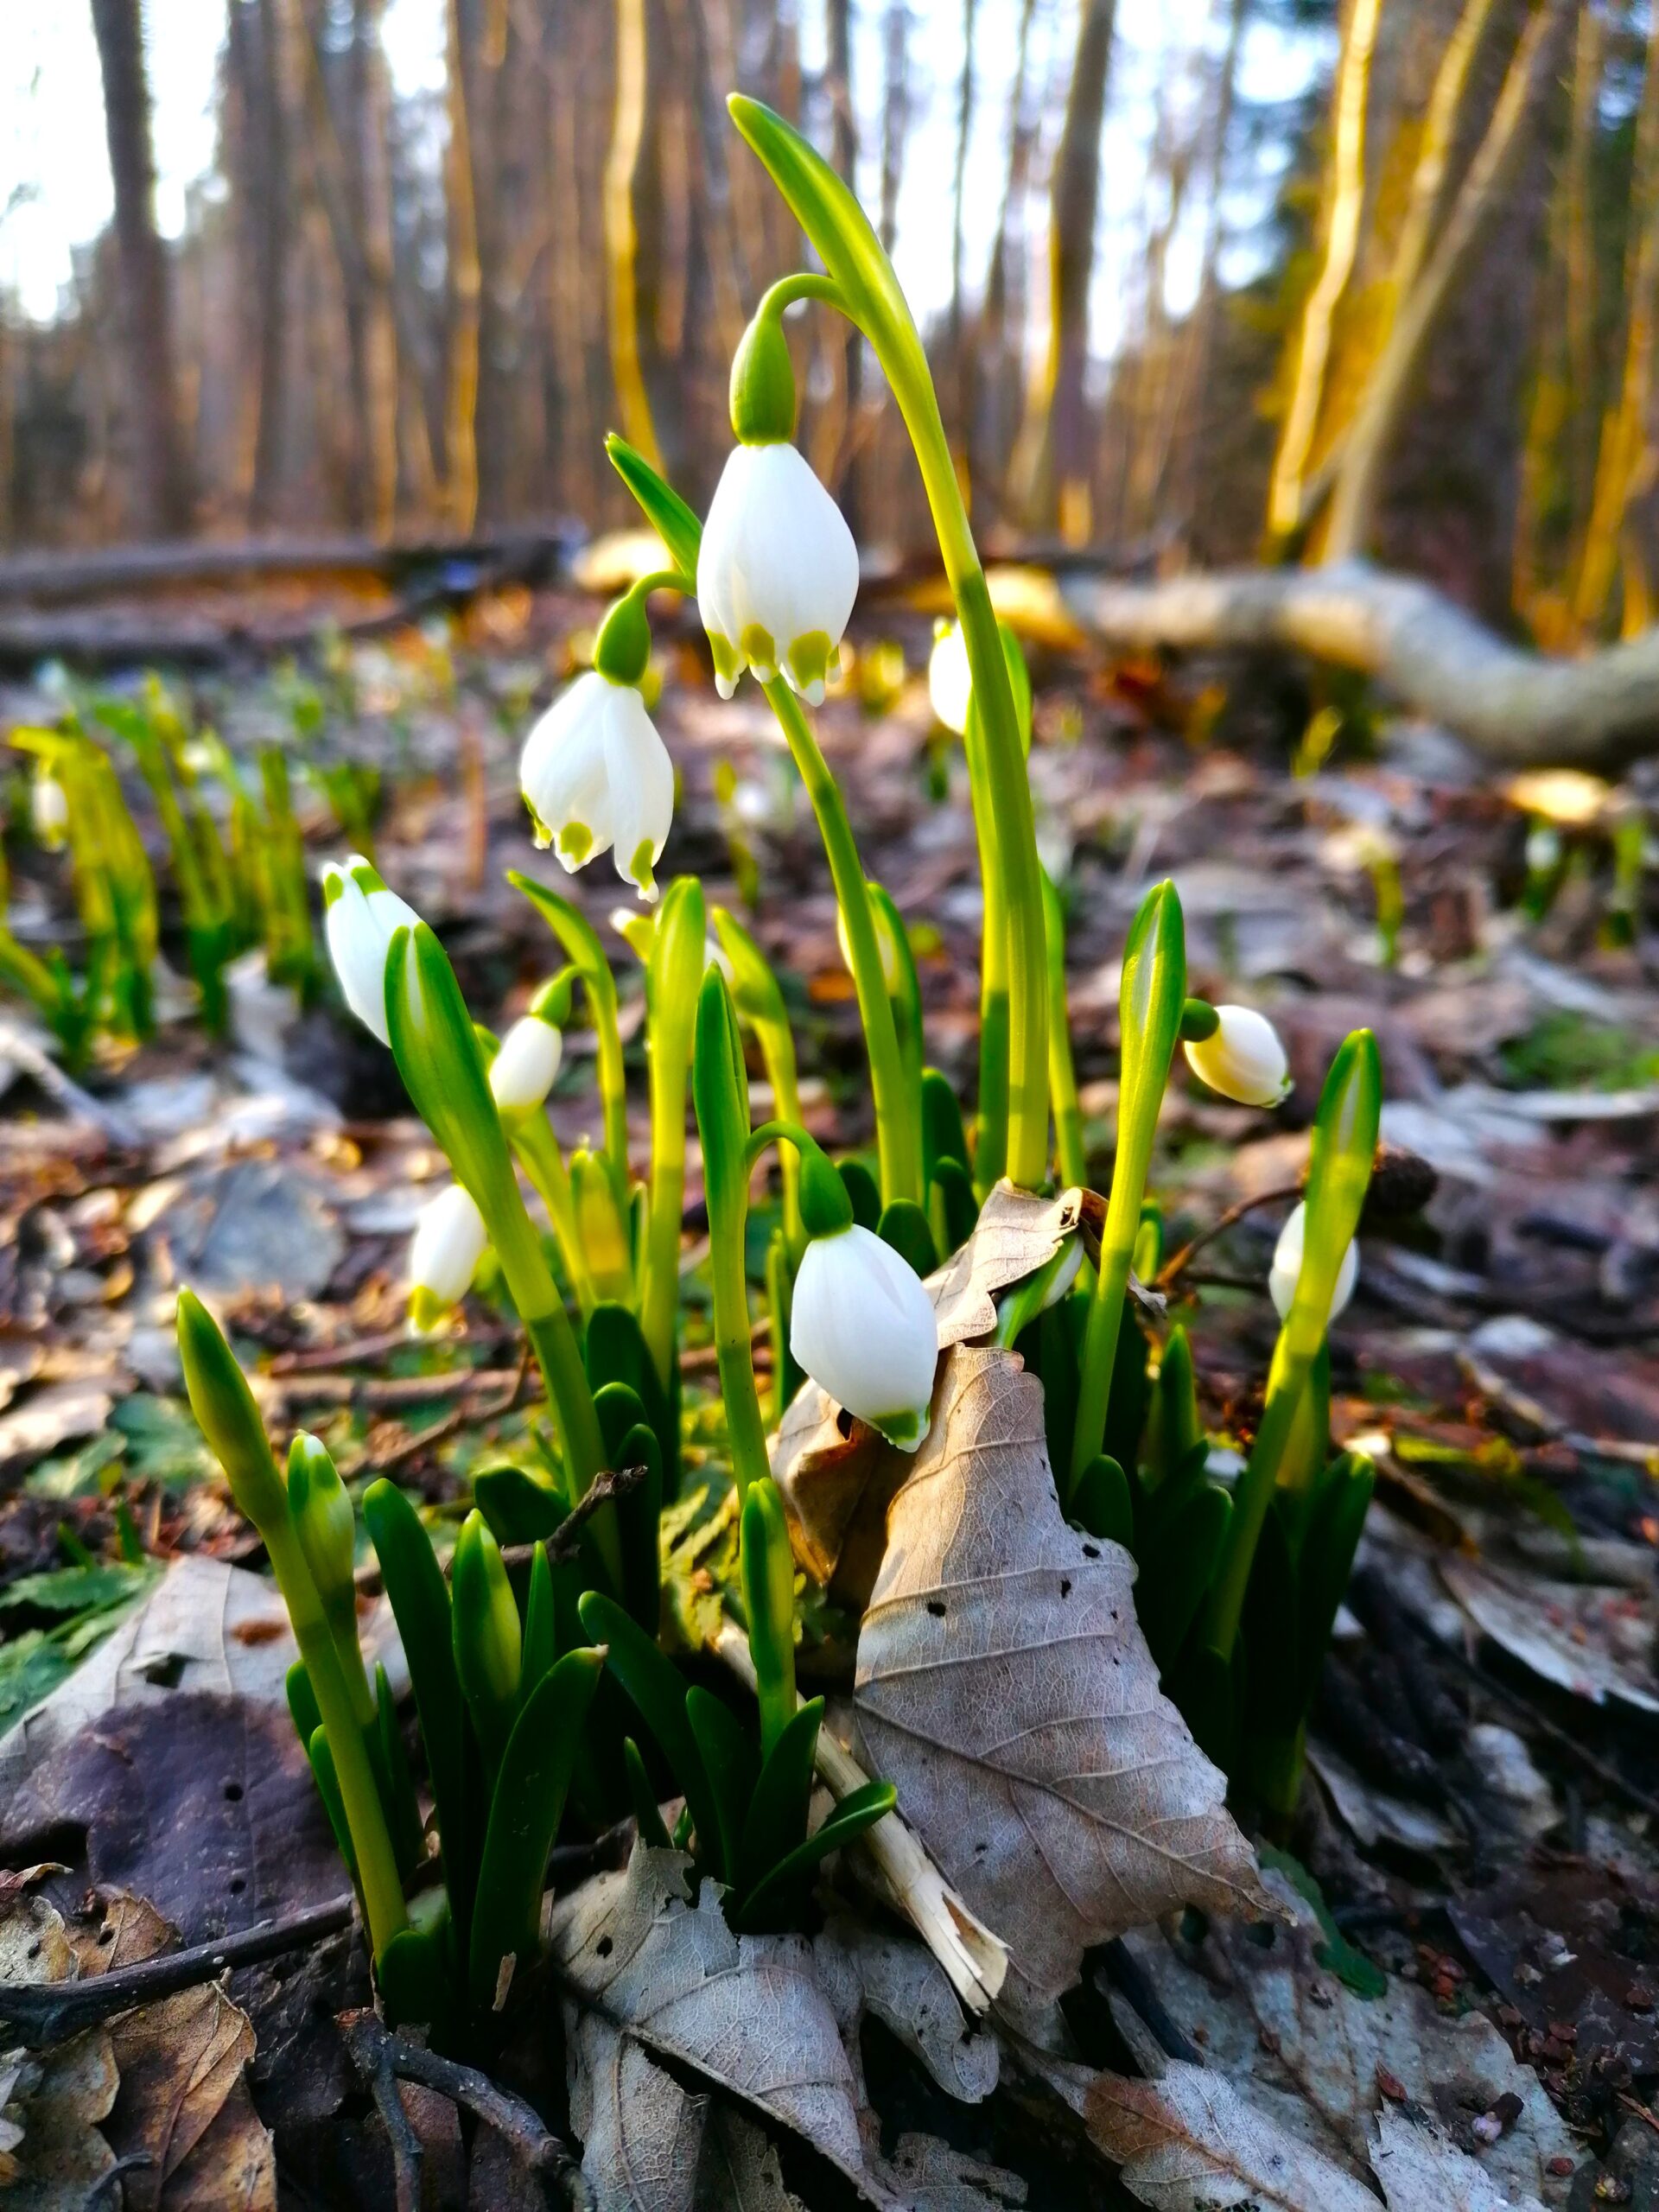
point(660, 1296)
point(1129, 1170)
point(1062, 1075)
point(537, 1150)
point(744, 1428)
point(377, 1863)
point(898, 1129)
point(1293, 1361)
point(991, 1128)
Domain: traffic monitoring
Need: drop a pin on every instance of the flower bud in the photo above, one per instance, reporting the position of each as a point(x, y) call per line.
point(227, 1416)
point(489, 1642)
point(48, 809)
point(448, 1243)
point(597, 777)
point(361, 919)
point(950, 685)
point(320, 1510)
point(522, 1072)
point(1288, 1267)
point(1243, 1059)
point(864, 1327)
point(777, 571)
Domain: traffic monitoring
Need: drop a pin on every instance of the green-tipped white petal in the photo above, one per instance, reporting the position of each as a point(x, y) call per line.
point(448, 1243)
point(864, 1327)
point(1288, 1266)
point(777, 572)
point(48, 809)
point(361, 920)
point(1244, 1060)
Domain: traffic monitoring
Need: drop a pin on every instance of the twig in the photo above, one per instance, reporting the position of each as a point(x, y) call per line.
point(461, 1417)
point(1173, 1267)
point(609, 1483)
point(46, 2012)
point(386, 1393)
point(372, 2055)
point(973, 1956)
point(537, 2149)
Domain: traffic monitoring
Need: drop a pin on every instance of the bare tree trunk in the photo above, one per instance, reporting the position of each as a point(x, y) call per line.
point(254, 37)
point(466, 290)
point(1053, 468)
point(370, 171)
point(1358, 481)
point(838, 430)
point(959, 179)
point(985, 440)
point(1625, 453)
point(621, 234)
point(895, 119)
point(161, 477)
point(1344, 200)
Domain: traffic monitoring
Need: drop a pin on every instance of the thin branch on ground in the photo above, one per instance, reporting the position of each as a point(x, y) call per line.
point(1173, 1268)
point(609, 1483)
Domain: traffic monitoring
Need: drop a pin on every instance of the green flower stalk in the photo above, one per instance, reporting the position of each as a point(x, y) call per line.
point(224, 1407)
point(767, 1568)
point(1343, 1150)
point(1062, 1075)
point(1150, 1002)
point(321, 1510)
point(721, 1093)
point(438, 1057)
point(760, 1004)
point(862, 285)
point(677, 948)
point(586, 955)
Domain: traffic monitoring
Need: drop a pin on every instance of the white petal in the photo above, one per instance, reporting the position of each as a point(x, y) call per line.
point(522, 1072)
point(642, 788)
point(864, 1329)
point(563, 765)
point(1244, 1060)
point(359, 954)
point(716, 555)
point(447, 1244)
point(950, 685)
point(775, 552)
point(1067, 1274)
point(1288, 1266)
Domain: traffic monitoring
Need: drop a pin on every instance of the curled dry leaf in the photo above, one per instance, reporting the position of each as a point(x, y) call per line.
point(651, 1975)
point(1016, 1235)
point(1005, 1687)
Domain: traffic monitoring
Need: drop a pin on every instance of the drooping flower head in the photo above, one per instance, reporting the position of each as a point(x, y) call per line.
point(48, 809)
point(448, 1243)
point(777, 571)
point(361, 917)
point(1241, 1058)
point(949, 683)
point(1288, 1266)
point(596, 776)
point(522, 1070)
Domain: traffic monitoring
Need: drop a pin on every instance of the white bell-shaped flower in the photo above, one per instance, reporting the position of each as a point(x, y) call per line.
point(597, 778)
point(361, 917)
point(1244, 1060)
point(48, 809)
point(1288, 1266)
point(777, 573)
point(949, 684)
point(1065, 1275)
point(448, 1243)
point(864, 1329)
point(522, 1072)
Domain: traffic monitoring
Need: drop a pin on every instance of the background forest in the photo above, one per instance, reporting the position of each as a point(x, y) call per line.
point(1381, 278)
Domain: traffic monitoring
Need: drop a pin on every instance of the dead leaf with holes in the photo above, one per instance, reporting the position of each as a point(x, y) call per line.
point(1016, 1235)
point(1004, 1685)
point(53, 2155)
point(1596, 1640)
point(654, 1977)
point(1189, 2140)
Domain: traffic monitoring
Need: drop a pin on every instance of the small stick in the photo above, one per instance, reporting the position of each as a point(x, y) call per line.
point(46, 2012)
point(1173, 1267)
point(462, 1417)
point(372, 2055)
point(609, 1483)
point(371, 2046)
point(973, 1955)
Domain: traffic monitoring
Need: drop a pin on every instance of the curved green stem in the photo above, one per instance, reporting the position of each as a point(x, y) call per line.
point(672, 974)
point(537, 1150)
point(587, 956)
point(869, 294)
point(1062, 1075)
point(898, 1127)
point(991, 1125)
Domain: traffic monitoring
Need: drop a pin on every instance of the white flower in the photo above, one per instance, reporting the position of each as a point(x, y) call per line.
point(950, 685)
point(1244, 1060)
point(448, 1243)
point(864, 1329)
point(522, 1072)
point(597, 777)
point(48, 809)
point(1066, 1274)
point(361, 919)
point(777, 573)
point(1288, 1266)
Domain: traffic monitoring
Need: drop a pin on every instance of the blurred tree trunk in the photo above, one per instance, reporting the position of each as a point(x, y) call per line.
point(1625, 461)
point(988, 429)
point(465, 288)
point(962, 361)
point(835, 438)
point(161, 497)
point(369, 170)
point(1344, 199)
point(1357, 482)
point(1053, 467)
point(253, 37)
point(895, 117)
point(621, 233)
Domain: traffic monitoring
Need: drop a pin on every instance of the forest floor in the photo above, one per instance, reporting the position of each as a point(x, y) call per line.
point(1482, 1812)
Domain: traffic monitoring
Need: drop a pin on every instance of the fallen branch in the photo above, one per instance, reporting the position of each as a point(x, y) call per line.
point(1514, 706)
point(376, 2052)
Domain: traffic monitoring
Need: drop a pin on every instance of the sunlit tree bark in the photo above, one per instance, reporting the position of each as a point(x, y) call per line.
point(621, 233)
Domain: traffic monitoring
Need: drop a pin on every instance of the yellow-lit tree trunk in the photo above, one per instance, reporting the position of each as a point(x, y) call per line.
point(1625, 461)
point(621, 236)
point(1345, 202)
point(465, 294)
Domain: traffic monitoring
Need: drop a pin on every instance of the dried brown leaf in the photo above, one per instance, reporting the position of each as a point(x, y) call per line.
point(1422, 2171)
point(1189, 2140)
point(1004, 1685)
